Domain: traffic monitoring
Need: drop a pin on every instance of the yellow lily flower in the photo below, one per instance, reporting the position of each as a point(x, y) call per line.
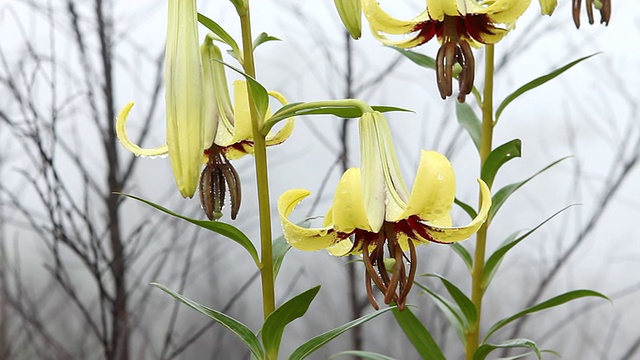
point(372, 208)
point(604, 6)
point(219, 132)
point(458, 25)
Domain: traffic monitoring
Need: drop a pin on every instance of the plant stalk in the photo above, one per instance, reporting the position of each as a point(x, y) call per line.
point(262, 175)
point(477, 286)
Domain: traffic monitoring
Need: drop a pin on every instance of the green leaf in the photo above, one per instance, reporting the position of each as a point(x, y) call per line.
point(466, 207)
point(258, 92)
point(535, 83)
point(275, 323)
point(498, 157)
point(218, 227)
point(450, 311)
point(503, 194)
point(419, 59)
point(485, 349)
point(464, 254)
point(362, 355)
point(239, 329)
point(315, 343)
point(419, 336)
point(224, 36)
point(553, 302)
point(465, 304)
point(469, 121)
point(494, 261)
point(263, 38)
point(301, 109)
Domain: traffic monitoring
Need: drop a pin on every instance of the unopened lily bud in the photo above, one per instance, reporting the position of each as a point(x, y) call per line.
point(183, 78)
point(350, 12)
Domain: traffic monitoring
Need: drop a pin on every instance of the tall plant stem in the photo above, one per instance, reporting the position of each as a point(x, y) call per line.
point(477, 286)
point(262, 176)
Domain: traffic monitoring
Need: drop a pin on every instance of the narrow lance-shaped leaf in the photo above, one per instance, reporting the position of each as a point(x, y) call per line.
point(419, 59)
point(535, 83)
point(469, 121)
point(493, 263)
point(353, 354)
point(219, 227)
point(418, 335)
point(498, 157)
point(315, 343)
point(553, 302)
point(464, 254)
point(485, 349)
point(258, 92)
point(450, 311)
point(263, 38)
point(321, 108)
point(465, 304)
point(222, 34)
point(500, 197)
point(239, 329)
point(274, 325)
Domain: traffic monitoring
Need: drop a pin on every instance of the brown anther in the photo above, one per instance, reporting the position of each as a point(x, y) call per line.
point(605, 11)
point(395, 287)
point(217, 176)
point(450, 54)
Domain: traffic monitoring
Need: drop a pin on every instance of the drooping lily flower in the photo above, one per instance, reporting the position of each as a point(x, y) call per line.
point(458, 25)
point(372, 209)
point(225, 133)
point(604, 6)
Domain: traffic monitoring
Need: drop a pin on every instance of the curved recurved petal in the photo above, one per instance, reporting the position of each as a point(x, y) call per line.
point(505, 11)
point(380, 20)
point(307, 239)
point(348, 210)
point(413, 41)
point(434, 189)
point(453, 234)
point(283, 134)
point(121, 133)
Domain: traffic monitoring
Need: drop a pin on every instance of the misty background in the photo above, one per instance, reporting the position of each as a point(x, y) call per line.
point(76, 261)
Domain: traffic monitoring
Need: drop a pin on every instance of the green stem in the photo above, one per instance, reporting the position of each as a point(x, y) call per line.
point(477, 287)
point(262, 175)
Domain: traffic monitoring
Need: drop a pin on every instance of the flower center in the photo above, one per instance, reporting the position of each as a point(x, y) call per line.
point(386, 265)
point(455, 59)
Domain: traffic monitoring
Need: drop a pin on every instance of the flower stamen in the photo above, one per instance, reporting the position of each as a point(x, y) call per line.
point(217, 175)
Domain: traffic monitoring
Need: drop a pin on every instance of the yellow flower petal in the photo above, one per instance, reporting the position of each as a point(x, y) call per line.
point(299, 237)
point(348, 210)
point(437, 9)
point(433, 189)
point(453, 234)
point(121, 133)
point(505, 11)
point(209, 51)
point(283, 134)
point(380, 20)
